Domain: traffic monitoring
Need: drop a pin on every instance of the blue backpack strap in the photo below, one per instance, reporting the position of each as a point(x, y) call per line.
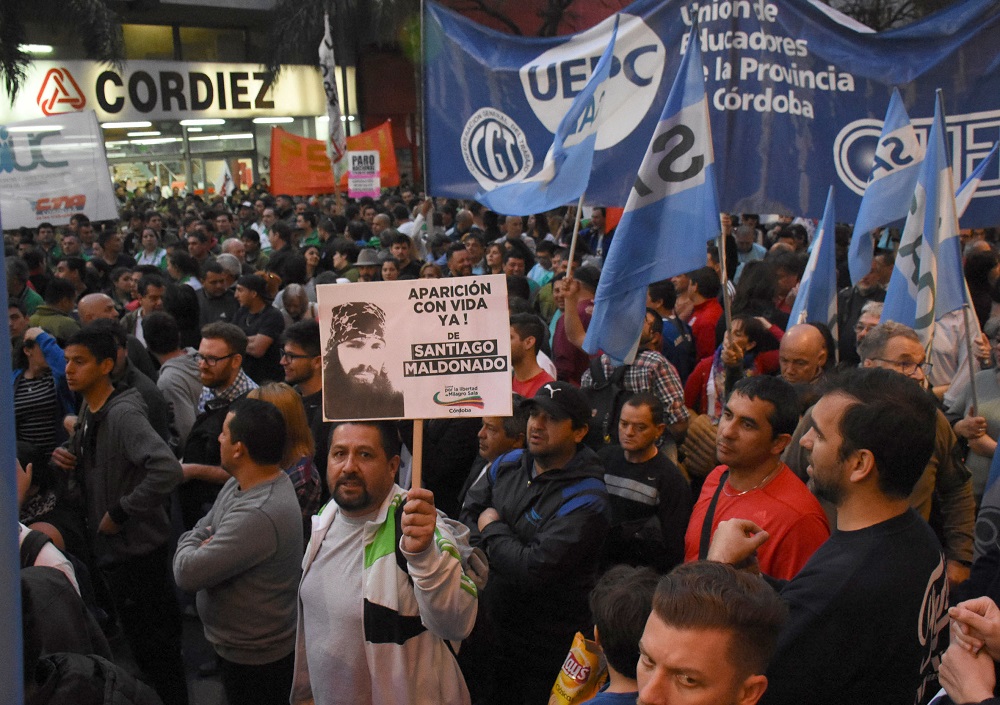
point(589, 492)
point(511, 456)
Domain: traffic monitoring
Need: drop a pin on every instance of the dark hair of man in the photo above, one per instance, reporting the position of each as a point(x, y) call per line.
point(45, 225)
point(250, 234)
point(791, 262)
point(347, 249)
point(118, 272)
point(260, 427)
point(17, 270)
point(875, 343)
point(189, 220)
point(388, 435)
point(512, 254)
point(77, 264)
point(145, 269)
point(80, 219)
point(199, 236)
point(784, 416)
point(234, 338)
point(664, 292)
point(327, 226)
point(400, 213)
point(620, 604)
point(161, 333)
point(518, 287)
point(894, 419)
point(657, 321)
point(100, 343)
point(359, 231)
point(708, 595)
point(517, 424)
point(184, 263)
point(19, 305)
point(352, 211)
point(517, 248)
point(310, 217)
point(455, 248)
point(475, 236)
point(149, 214)
point(401, 239)
point(516, 303)
point(305, 334)
point(104, 236)
point(148, 280)
point(59, 290)
point(112, 328)
point(649, 400)
point(529, 325)
point(281, 229)
point(706, 280)
point(212, 267)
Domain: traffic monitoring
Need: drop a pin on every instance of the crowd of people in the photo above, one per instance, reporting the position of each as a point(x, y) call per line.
point(752, 512)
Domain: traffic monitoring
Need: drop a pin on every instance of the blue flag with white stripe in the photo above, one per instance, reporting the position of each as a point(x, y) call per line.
point(817, 297)
point(565, 172)
point(927, 281)
point(890, 185)
point(671, 213)
point(963, 197)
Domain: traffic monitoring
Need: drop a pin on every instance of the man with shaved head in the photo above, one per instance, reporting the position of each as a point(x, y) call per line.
point(94, 307)
point(802, 354)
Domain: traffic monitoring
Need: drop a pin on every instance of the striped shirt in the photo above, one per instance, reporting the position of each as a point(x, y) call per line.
point(36, 409)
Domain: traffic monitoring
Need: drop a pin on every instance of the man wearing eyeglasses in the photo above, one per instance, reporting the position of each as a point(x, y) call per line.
point(896, 347)
point(303, 365)
point(220, 367)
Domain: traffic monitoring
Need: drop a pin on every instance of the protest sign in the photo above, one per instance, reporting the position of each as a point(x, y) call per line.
point(364, 177)
point(415, 349)
point(53, 168)
point(797, 93)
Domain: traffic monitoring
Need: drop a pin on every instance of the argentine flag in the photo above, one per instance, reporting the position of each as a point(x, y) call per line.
point(968, 189)
point(927, 281)
point(890, 185)
point(565, 173)
point(817, 297)
point(671, 213)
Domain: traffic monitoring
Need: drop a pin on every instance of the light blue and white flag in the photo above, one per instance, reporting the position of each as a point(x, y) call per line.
point(963, 197)
point(927, 281)
point(671, 214)
point(890, 185)
point(565, 173)
point(817, 297)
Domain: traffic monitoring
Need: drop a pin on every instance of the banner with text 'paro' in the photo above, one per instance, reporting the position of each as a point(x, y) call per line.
point(415, 349)
point(797, 94)
point(52, 168)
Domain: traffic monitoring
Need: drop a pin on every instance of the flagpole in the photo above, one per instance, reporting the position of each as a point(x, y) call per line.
point(726, 299)
point(572, 243)
point(965, 309)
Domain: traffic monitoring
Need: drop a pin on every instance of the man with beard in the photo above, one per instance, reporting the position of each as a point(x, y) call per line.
point(355, 382)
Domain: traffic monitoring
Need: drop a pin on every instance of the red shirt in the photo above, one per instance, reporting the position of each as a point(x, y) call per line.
point(703, 320)
point(784, 507)
point(529, 387)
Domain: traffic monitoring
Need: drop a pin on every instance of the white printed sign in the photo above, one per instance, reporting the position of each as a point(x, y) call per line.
point(364, 177)
point(416, 349)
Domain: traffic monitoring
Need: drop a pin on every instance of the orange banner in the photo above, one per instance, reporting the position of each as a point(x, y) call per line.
point(300, 167)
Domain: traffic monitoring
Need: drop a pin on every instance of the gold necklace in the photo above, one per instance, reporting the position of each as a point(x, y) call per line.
point(767, 478)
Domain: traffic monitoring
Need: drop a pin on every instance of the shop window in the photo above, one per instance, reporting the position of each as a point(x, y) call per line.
point(145, 42)
point(201, 44)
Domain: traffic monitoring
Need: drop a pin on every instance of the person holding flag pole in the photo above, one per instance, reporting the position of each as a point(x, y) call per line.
point(671, 213)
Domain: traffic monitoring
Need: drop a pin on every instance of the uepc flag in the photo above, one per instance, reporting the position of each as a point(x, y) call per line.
point(817, 297)
point(566, 170)
point(890, 185)
point(927, 281)
point(671, 213)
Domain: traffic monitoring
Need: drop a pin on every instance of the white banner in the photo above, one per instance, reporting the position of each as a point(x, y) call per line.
point(52, 168)
point(364, 177)
point(169, 90)
point(416, 349)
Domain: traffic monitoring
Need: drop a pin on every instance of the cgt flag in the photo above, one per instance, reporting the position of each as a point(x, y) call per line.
point(565, 172)
point(671, 213)
point(927, 281)
point(890, 185)
point(817, 297)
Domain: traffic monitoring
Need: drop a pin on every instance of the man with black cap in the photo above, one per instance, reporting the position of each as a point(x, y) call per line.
point(541, 517)
point(355, 382)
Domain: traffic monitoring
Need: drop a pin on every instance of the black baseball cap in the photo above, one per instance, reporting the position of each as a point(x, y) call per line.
point(561, 400)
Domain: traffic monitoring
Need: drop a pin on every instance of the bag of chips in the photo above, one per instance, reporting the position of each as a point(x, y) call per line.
point(582, 675)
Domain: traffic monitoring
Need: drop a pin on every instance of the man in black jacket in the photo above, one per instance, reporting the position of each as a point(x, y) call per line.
point(542, 519)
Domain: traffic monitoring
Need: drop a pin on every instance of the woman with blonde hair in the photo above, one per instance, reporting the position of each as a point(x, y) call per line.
point(299, 447)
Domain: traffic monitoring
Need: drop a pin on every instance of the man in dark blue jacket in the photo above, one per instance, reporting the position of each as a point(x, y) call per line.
point(541, 518)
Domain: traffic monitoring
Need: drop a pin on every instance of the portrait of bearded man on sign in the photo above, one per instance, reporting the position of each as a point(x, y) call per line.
point(355, 382)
